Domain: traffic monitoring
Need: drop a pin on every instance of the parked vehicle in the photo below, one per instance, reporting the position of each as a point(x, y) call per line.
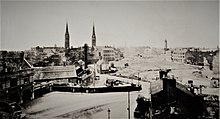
point(10, 110)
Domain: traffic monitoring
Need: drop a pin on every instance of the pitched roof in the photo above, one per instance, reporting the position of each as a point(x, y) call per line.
point(157, 86)
point(55, 72)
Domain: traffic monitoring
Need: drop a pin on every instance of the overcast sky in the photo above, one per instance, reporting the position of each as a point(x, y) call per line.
point(144, 23)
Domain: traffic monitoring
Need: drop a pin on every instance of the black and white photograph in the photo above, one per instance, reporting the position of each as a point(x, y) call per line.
point(109, 59)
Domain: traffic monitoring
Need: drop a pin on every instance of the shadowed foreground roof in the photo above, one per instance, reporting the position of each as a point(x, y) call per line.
point(157, 86)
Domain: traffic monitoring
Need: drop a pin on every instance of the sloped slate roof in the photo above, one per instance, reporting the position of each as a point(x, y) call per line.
point(183, 88)
point(157, 86)
point(55, 72)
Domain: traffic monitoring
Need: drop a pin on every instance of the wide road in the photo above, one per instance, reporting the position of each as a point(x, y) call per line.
point(85, 105)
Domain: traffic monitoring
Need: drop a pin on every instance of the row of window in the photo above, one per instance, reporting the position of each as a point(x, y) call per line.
point(178, 60)
point(109, 58)
point(108, 55)
point(179, 57)
point(178, 53)
point(15, 82)
point(107, 51)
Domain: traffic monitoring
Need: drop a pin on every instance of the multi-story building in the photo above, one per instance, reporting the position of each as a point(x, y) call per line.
point(108, 53)
point(16, 78)
point(179, 55)
point(195, 56)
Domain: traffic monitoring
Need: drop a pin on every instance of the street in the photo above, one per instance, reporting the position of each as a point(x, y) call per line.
point(84, 106)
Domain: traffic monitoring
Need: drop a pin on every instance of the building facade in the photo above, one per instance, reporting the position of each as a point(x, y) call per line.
point(108, 53)
point(194, 56)
point(179, 55)
point(16, 79)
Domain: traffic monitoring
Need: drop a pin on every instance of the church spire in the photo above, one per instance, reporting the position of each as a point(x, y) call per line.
point(93, 36)
point(93, 33)
point(67, 27)
point(67, 37)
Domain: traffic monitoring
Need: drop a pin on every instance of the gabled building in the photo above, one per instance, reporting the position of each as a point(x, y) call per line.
point(172, 100)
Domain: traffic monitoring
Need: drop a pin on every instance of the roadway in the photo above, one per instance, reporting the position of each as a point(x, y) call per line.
point(85, 105)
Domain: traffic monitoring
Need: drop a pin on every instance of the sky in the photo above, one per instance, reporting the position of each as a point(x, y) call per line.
point(26, 24)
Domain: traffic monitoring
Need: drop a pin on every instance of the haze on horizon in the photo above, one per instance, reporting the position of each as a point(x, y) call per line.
point(126, 23)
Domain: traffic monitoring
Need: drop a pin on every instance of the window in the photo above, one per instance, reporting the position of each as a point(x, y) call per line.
point(7, 84)
point(21, 81)
point(31, 79)
point(3, 85)
point(13, 82)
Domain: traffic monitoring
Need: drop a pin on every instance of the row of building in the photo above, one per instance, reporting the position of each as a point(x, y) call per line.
point(196, 56)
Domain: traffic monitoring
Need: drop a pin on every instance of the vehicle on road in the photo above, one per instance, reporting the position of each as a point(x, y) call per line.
point(10, 110)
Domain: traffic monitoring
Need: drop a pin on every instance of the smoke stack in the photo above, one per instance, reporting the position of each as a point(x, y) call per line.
point(86, 55)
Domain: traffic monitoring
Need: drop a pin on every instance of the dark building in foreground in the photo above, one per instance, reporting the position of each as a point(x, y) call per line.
point(17, 86)
point(172, 100)
point(16, 79)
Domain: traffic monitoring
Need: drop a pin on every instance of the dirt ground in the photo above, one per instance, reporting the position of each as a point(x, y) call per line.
point(146, 63)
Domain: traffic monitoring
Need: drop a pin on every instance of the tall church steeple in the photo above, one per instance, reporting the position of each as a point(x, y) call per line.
point(67, 37)
point(93, 37)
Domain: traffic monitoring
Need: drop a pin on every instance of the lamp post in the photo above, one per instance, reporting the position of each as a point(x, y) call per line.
point(94, 75)
point(109, 113)
point(128, 104)
point(150, 109)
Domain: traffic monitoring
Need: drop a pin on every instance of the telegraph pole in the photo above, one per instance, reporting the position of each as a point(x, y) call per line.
point(129, 105)
point(94, 75)
point(150, 113)
point(109, 113)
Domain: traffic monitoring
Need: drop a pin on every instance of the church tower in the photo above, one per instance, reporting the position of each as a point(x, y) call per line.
point(165, 43)
point(67, 38)
point(93, 37)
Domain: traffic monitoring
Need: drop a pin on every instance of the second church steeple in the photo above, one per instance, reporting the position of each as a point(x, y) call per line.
point(67, 37)
point(93, 37)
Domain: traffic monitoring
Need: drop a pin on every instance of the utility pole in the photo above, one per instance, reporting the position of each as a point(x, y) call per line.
point(94, 75)
point(150, 109)
point(109, 113)
point(129, 105)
